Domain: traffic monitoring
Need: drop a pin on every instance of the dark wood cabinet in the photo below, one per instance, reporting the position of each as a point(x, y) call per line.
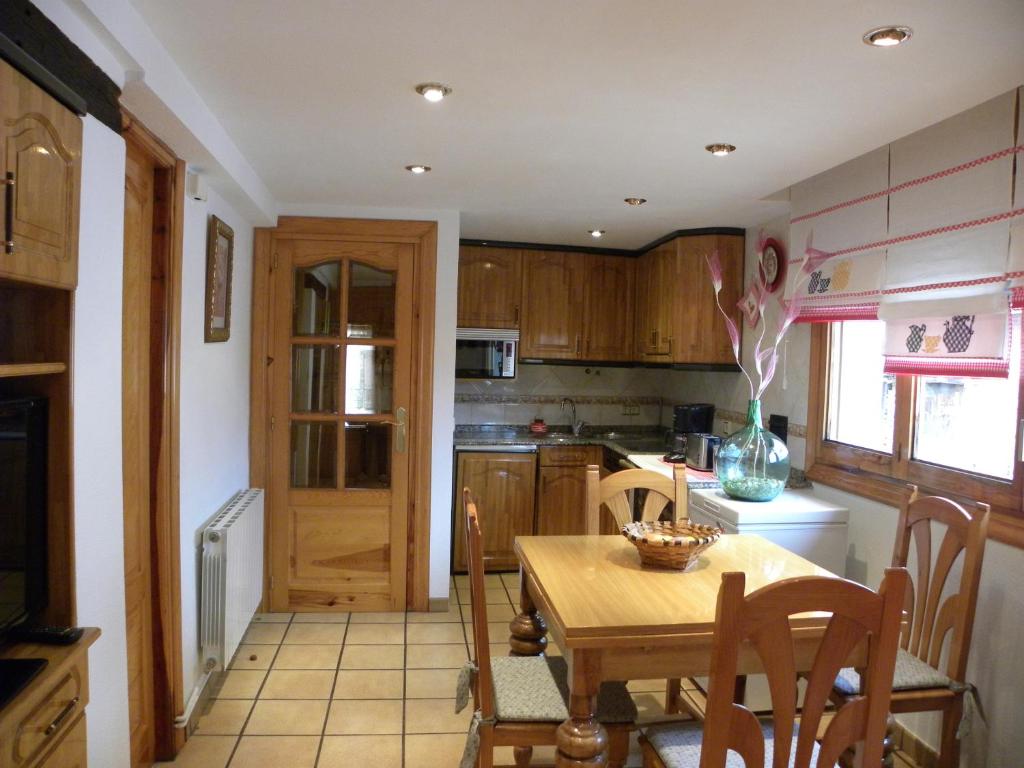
point(40, 165)
point(655, 299)
point(490, 287)
point(503, 485)
point(552, 326)
point(562, 489)
point(608, 301)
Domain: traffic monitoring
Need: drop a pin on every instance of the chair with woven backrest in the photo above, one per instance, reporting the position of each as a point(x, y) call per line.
point(520, 701)
point(934, 615)
point(764, 620)
point(613, 493)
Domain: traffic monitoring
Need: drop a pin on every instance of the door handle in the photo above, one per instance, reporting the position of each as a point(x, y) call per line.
point(9, 213)
point(401, 415)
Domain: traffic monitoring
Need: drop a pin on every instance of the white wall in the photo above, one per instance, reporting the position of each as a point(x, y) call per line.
point(99, 523)
point(443, 425)
point(214, 450)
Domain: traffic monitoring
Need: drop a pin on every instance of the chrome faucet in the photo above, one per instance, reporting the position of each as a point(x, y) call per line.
point(577, 426)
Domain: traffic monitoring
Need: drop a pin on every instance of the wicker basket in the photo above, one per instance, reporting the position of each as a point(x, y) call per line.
point(675, 545)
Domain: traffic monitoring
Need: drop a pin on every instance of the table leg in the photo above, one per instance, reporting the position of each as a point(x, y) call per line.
point(582, 742)
point(529, 631)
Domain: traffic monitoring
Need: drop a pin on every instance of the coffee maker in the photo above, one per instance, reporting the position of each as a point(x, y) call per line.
point(688, 419)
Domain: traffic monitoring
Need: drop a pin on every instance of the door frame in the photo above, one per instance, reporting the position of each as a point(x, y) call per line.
point(423, 236)
point(168, 243)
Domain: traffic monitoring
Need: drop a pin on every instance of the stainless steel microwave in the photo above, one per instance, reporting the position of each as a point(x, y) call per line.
point(485, 353)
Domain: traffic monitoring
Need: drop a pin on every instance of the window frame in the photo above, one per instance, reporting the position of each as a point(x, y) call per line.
point(884, 477)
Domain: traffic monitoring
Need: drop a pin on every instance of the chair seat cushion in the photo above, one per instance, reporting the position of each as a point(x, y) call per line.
point(536, 688)
point(678, 745)
point(911, 674)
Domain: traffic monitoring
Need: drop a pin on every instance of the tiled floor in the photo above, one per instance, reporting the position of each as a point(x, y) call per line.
point(370, 690)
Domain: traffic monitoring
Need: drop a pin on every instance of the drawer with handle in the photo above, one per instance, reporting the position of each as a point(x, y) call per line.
point(570, 455)
point(57, 709)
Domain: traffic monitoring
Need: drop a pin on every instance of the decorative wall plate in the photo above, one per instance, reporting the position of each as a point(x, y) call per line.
point(773, 265)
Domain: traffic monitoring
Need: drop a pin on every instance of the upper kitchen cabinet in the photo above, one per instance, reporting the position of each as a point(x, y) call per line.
point(552, 326)
point(577, 306)
point(608, 297)
point(41, 169)
point(490, 287)
point(676, 317)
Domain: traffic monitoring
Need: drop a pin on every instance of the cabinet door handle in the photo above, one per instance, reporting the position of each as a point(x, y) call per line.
point(654, 338)
point(400, 429)
point(515, 311)
point(577, 343)
point(9, 213)
point(59, 719)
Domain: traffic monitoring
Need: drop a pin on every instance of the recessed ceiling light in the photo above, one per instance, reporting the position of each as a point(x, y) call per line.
point(417, 169)
point(635, 201)
point(720, 150)
point(596, 232)
point(887, 37)
point(433, 91)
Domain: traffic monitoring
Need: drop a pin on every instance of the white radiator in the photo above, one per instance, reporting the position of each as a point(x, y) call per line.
point(232, 576)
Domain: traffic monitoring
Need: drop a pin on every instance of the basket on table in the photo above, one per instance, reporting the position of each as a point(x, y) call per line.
point(670, 544)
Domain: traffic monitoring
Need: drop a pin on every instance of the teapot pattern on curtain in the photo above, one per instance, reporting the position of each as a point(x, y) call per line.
point(959, 332)
point(916, 337)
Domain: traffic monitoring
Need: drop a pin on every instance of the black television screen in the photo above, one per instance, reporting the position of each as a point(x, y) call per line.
point(23, 561)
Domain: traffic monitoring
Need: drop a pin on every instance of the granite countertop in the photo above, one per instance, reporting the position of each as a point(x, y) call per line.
point(622, 440)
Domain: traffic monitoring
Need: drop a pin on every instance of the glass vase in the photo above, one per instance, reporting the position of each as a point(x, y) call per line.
point(753, 464)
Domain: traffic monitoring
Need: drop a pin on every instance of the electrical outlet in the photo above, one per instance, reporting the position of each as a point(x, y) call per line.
point(630, 410)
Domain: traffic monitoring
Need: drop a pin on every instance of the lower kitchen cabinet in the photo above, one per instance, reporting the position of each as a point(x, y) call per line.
point(562, 489)
point(503, 485)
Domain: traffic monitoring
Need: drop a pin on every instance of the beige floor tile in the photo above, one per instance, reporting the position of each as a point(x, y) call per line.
point(643, 686)
point(314, 634)
point(435, 716)
point(369, 684)
point(433, 656)
point(421, 634)
point(497, 595)
point(264, 634)
point(298, 684)
point(307, 657)
point(511, 581)
point(340, 617)
point(375, 634)
point(430, 683)
point(373, 657)
point(496, 630)
point(378, 617)
point(375, 751)
point(224, 717)
point(203, 752)
point(276, 752)
point(500, 648)
point(271, 618)
point(503, 613)
point(650, 707)
point(452, 615)
point(541, 756)
point(287, 718)
point(349, 717)
point(240, 684)
point(434, 750)
point(254, 657)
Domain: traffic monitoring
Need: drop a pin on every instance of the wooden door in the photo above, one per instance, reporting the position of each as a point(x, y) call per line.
point(135, 421)
point(490, 287)
point(562, 501)
point(40, 164)
point(608, 296)
point(341, 329)
point(503, 486)
point(552, 305)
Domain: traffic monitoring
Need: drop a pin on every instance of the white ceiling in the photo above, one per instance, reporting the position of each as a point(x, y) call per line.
point(562, 108)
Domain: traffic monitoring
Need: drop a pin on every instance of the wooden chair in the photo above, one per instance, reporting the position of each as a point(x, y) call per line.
point(520, 701)
point(921, 683)
point(763, 619)
point(613, 493)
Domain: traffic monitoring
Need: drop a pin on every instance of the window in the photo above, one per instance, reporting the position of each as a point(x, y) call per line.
point(949, 434)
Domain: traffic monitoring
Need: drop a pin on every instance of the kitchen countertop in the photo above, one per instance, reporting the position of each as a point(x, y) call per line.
point(622, 441)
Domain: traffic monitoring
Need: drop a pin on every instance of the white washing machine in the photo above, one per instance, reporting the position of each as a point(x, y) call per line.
point(796, 519)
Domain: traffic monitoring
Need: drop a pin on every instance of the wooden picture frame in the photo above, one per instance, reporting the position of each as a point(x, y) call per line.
point(220, 248)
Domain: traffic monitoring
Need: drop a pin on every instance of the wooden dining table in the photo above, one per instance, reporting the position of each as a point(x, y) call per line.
point(616, 620)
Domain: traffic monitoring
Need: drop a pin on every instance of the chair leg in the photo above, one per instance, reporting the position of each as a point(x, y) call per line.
point(522, 756)
point(949, 753)
point(486, 757)
point(673, 686)
point(618, 747)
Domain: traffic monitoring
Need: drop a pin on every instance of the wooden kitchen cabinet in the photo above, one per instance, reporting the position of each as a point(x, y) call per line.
point(552, 325)
point(490, 287)
point(503, 485)
point(608, 300)
point(562, 489)
point(41, 166)
point(677, 320)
